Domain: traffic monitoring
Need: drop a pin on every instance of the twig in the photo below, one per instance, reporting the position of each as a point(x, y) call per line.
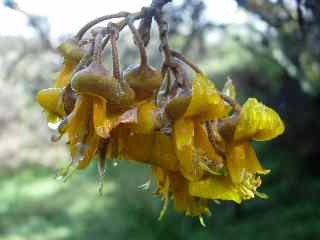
point(115, 55)
point(186, 61)
point(163, 35)
point(138, 41)
point(90, 24)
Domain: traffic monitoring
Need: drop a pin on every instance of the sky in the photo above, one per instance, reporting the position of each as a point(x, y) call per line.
point(67, 16)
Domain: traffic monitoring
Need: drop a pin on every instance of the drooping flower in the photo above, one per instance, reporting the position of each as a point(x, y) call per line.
point(195, 138)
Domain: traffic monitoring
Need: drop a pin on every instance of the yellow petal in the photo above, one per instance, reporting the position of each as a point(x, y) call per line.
point(138, 147)
point(104, 121)
point(64, 76)
point(50, 100)
point(258, 122)
point(91, 146)
point(146, 119)
point(183, 137)
point(163, 152)
point(206, 103)
point(242, 159)
point(252, 163)
point(163, 187)
point(203, 146)
point(215, 188)
point(83, 141)
point(183, 201)
point(77, 125)
point(102, 124)
point(236, 158)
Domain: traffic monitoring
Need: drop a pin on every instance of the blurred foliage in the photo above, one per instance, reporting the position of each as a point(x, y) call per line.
point(35, 206)
point(275, 57)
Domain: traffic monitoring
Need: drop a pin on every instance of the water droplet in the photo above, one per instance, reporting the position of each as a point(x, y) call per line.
point(54, 125)
point(202, 221)
point(145, 186)
point(100, 185)
point(64, 174)
point(56, 138)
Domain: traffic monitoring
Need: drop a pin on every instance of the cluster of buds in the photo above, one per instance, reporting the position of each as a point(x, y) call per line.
point(194, 137)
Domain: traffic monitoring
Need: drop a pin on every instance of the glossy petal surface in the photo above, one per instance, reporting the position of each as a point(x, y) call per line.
point(258, 122)
point(206, 104)
point(183, 136)
point(215, 187)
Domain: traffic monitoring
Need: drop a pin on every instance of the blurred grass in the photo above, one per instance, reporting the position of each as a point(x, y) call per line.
point(36, 206)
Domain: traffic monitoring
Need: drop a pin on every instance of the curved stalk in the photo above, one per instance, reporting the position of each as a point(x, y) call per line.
point(138, 41)
point(163, 35)
point(90, 24)
point(186, 61)
point(115, 55)
point(97, 49)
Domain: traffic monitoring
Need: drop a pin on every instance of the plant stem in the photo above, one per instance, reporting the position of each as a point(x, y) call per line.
point(115, 55)
point(90, 24)
point(163, 35)
point(97, 50)
point(186, 61)
point(138, 41)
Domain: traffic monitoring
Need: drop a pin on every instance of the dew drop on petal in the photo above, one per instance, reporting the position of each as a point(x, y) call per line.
point(54, 125)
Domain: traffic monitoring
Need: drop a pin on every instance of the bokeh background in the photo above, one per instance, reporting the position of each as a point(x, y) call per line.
point(270, 48)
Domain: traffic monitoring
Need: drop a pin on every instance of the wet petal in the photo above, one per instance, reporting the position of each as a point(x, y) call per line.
point(215, 187)
point(258, 122)
point(102, 124)
point(163, 152)
point(236, 158)
point(50, 100)
point(183, 201)
point(183, 137)
point(242, 159)
point(146, 118)
point(92, 142)
point(138, 147)
point(64, 76)
point(203, 146)
point(206, 103)
point(252, 163)
point(77, 125)
point(163, 187)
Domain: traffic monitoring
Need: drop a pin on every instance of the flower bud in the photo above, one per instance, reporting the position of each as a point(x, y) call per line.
point(71, 50)
point(143, 79)
point(96, 80)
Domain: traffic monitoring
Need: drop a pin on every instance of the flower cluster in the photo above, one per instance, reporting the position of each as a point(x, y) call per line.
point(195, 138)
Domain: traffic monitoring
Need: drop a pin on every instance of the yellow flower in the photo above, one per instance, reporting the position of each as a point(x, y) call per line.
point(206, 156)
point(51, 99)
point(206, 103)
point(243, 165)
point(258, 122)
point(215, 188)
